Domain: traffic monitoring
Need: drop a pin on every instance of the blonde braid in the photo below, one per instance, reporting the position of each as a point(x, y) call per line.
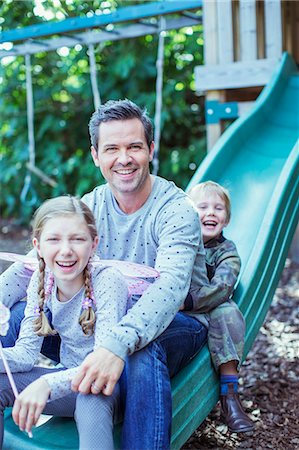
point(41, 324)
point(87, 318)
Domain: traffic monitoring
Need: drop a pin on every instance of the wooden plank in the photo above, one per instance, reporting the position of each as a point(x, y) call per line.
point(211, 57)
point(273, 29)
point(248, 39)
point(210, 31)
point(225, 32)
point(214, 130)
point(235, 75)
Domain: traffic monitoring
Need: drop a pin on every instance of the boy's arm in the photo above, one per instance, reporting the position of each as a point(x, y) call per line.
point(221, 286)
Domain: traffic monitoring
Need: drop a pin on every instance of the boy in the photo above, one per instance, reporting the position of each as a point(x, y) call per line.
point(226, 323)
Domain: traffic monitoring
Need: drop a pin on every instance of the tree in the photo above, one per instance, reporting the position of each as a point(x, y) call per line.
point(63, 103)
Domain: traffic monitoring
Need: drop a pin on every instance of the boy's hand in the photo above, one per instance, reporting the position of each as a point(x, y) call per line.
point(30, 404)
point(99, 372)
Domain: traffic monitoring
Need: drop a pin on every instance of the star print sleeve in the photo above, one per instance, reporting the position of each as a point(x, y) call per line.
point(23, 355)
point(179, 244)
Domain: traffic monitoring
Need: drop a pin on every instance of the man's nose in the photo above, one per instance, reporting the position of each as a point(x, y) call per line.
point(124, 157)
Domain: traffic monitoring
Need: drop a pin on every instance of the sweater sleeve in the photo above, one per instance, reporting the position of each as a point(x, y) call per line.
point(111, 295)
point(14, 283)
point(178, 237)
point(221, 285)
point(22, 356)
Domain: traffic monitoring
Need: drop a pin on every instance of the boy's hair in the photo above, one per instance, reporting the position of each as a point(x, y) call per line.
point(62, 206)
point(119, 110)
point(212, 186)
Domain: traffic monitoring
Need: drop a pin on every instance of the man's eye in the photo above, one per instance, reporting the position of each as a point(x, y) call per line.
point(135, 147)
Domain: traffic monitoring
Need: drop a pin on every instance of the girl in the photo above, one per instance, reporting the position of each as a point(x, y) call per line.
point(84, 302)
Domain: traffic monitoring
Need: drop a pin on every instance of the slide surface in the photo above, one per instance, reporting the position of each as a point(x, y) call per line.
point(257, 159)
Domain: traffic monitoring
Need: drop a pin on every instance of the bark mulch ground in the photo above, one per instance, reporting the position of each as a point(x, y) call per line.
point(269, 385)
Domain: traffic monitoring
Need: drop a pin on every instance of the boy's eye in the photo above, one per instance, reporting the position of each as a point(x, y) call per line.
point(52, 239)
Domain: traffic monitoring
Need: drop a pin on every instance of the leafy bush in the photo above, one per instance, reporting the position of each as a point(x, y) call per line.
point(63, 105)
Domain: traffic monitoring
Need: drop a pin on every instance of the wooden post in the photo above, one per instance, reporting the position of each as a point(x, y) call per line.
point(210, 33)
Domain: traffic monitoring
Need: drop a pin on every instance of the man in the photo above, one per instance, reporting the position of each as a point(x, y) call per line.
point(148, 220)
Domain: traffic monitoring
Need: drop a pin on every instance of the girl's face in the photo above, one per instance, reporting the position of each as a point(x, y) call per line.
point(66, 245)
point(212, 213)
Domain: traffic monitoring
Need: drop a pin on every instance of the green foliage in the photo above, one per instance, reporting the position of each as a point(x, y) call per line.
point(63, 104)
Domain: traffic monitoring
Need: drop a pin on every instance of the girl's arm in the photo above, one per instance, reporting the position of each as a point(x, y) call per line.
point(111, 295)
point(14, 283)
point(22, 356)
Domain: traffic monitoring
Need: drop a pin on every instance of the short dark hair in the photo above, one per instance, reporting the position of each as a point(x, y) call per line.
point(119, 110)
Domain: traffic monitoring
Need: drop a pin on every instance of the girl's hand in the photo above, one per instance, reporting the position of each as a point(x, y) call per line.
point(30, 404)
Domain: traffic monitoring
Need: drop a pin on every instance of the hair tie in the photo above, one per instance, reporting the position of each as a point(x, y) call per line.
point(49, 285)
point(87, 302)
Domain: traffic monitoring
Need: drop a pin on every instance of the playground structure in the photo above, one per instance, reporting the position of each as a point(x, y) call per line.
point(257, 158)
point(243, 42)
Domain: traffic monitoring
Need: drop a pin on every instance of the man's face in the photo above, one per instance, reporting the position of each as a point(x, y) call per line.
point(123, 155)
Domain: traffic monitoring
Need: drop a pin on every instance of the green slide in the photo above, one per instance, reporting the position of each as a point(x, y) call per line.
point(257, 159)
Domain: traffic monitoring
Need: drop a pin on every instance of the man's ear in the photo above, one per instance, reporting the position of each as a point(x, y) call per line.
point(151, 151)
point(36, 246)
point(94, 155)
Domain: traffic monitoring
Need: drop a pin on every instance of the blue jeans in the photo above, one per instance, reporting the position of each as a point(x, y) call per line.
point(145, 384)
point(51, 344)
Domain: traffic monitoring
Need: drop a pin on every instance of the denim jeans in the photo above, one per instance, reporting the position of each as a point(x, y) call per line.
point(51, 344)
point(145, 384)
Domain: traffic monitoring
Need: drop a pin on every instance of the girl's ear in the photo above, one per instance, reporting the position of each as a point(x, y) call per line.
point(36, 246)
point(95, 244)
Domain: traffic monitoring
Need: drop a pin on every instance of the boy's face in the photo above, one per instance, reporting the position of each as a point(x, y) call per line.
point(212, 213)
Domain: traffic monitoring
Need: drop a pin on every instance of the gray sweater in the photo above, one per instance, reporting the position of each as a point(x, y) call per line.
point(164, 233)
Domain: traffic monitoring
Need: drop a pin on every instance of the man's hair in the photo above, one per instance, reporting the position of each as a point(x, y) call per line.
point(119, 110)
point(212, 186)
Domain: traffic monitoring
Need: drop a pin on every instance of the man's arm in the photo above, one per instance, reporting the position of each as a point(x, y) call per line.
point(178, 244)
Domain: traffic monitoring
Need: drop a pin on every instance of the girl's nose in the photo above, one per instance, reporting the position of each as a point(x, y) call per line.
point(66, 248)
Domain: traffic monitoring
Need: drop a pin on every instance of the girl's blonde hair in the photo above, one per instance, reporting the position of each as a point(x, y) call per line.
point(57, 207)
point(212, 186)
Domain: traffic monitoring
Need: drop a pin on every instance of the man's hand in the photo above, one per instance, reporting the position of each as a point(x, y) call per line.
point(99, 372)
point(30, 403)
